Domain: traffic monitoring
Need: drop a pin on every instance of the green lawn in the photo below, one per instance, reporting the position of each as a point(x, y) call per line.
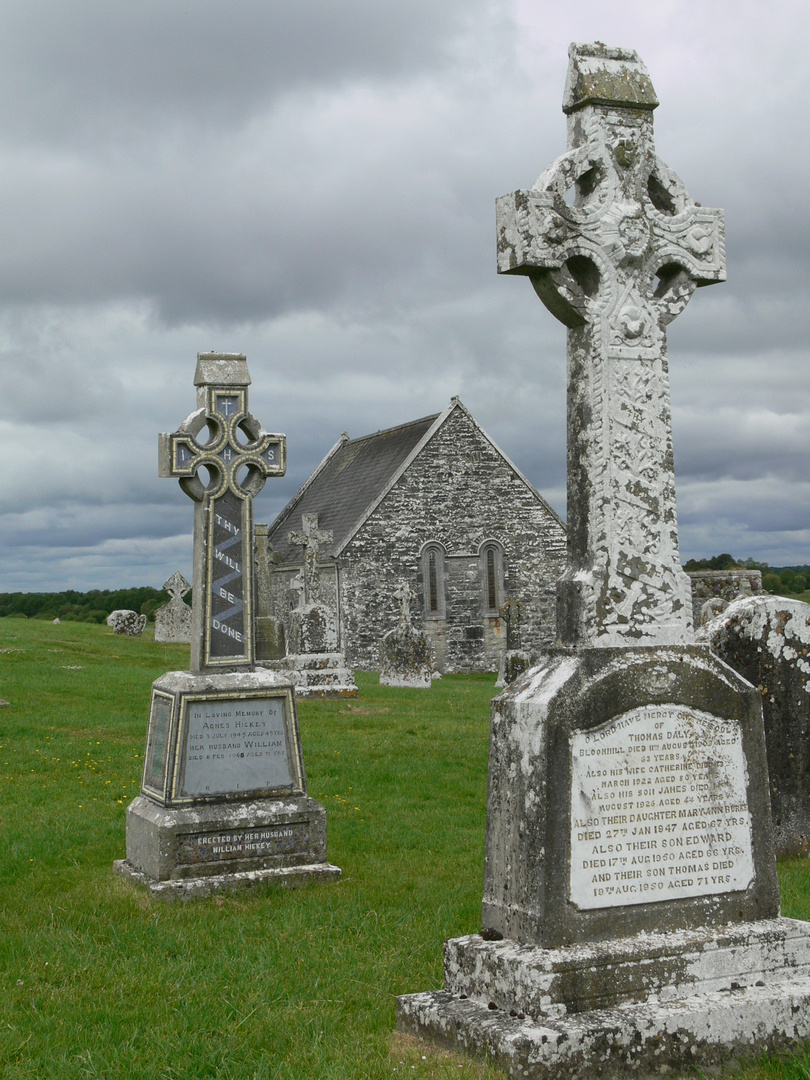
point(100, 981)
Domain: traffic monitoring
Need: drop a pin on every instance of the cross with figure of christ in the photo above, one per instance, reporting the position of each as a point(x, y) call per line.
point(238, 456)
point(615, 248)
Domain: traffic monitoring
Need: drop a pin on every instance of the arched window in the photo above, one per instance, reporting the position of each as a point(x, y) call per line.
point(433, 581)
point(492, 577)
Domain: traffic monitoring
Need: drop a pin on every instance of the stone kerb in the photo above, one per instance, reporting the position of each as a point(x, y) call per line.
point(767, 640)
point(128, 623)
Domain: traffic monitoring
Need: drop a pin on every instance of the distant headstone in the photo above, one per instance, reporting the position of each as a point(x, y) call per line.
point(714, 590)
point(404, 651)
point(630, 911)
point(223, 803)
point(128, 623)
point(767, 640)
point(515, 660)
point(313, 661)
point(57, 622)
point(173, 620)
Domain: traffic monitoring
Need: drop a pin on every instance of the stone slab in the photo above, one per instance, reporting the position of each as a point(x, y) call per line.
point(238, 882)
point(705, 1031)
point(601, 975)
point(314, 674)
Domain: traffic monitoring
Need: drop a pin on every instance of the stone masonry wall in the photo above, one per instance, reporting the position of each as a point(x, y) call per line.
point(460, 493)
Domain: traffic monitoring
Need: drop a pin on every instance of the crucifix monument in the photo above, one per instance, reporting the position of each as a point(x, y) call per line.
point(629, 834)
point(310, 537)
point(223, 803)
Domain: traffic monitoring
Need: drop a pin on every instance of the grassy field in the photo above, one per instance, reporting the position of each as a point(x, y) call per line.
point(100, 981)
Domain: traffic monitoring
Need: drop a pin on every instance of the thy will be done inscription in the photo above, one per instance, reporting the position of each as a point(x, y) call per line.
point(658, 809)
point(234, 746)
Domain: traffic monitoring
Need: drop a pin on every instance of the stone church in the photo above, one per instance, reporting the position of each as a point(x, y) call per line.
point(433, 502)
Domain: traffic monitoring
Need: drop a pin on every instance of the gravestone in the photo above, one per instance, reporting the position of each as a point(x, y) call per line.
point(314, 663)
point(173, 620)
point(767, 640)
point(515, 659)
point(223, 803)
point(714, 590)
point(127, 623)
point(405, 651)
point(630, 910)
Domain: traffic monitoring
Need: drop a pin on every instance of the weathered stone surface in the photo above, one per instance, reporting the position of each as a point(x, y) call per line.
point(129, 623)
point(173, 620)
point(594, 265)
point(767, 640)
point(713, 591)
point(451, 490)
point(405, 657)
point(315, 674)
point(562, 710)
point(629, 833)
point(271, 642)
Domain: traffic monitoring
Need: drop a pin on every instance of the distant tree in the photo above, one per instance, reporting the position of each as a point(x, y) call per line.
point(800, 583)
point(772, 583)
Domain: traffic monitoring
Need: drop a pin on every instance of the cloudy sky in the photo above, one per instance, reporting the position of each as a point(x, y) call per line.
point(312, 182)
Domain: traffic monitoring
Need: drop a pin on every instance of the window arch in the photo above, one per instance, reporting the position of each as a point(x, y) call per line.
point(491, 564)
point(433, 581)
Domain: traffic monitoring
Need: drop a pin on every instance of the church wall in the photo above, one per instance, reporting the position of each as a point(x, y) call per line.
point(458, 493)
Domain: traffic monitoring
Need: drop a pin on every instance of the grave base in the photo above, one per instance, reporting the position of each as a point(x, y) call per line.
point(240, 881)
point(226, 846)
point(315, 674)
point(635, 1007)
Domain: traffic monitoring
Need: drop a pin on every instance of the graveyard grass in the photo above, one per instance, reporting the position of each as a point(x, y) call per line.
point(100, 981)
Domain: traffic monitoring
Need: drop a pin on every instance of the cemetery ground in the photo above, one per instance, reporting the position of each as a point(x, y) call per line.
point(100, 981)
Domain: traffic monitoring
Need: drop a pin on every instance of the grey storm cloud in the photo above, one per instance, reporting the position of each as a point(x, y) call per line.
point(312, 183)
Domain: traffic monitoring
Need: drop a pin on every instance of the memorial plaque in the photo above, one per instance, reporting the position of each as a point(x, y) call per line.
point(659, 809)
point(247, 843)
point(154, 774)
point(236, 745)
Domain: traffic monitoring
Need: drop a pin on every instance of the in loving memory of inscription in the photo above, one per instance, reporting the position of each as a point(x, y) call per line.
point(236, 746)
point(658, 809)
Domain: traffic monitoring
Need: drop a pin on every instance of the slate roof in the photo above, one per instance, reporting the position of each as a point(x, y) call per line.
point(351, 477)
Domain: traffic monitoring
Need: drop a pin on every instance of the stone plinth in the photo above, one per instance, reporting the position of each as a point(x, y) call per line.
point(602, 759)
point(223, 801)
point(767, 640)
point(315, 674)
point(631, 1007)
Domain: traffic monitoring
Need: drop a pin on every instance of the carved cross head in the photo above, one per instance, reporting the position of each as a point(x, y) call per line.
point(608, 234)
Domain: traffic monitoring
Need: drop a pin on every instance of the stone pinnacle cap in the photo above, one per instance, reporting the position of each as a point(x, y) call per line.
point(601, 75)
point(221, 369)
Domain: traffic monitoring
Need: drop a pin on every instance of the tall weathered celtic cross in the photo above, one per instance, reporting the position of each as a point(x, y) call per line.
point(614, 247)
point(239, 456)
point(310, 537)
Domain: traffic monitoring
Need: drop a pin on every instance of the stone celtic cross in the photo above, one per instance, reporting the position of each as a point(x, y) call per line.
point(615, 247)
point(176, 586)
point(406, 597)
point(310, 537)
point(238, 456)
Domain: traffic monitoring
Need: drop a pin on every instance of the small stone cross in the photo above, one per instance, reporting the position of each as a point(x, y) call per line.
point(310, 537)
point(239, 456)
point(406, 596)
point(176, 586)
point(510, 613)
point(615, 248)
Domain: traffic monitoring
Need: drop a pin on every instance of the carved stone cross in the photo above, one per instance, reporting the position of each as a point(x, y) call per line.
point(176, 586)
point(511, 612)
point(406, 596)
point(614, 247)
point(310, 537)
point(238, 456)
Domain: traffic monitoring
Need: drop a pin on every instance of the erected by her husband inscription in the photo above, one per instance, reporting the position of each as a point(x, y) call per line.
point(659, 809)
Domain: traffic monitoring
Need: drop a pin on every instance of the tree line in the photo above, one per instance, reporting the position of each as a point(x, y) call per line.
point(93, 606)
